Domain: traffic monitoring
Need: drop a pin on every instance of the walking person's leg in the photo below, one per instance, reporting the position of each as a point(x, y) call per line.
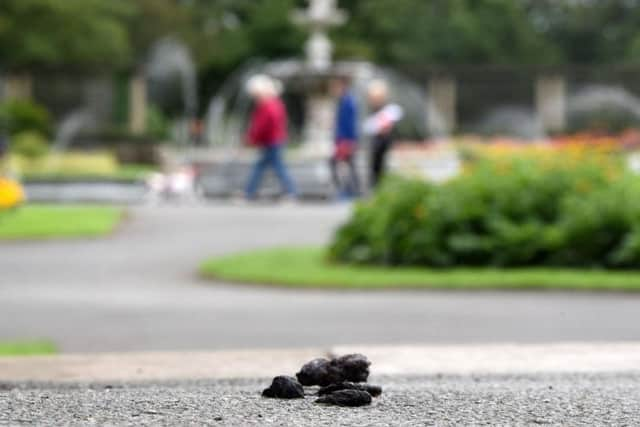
point(375, 164)
point(378, 157)
point(333, 166)
point(280, 168)
point(341, 182)
point(256, 174)
point(354, 182)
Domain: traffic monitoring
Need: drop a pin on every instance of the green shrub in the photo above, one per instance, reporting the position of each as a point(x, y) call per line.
point(29, 144)
point(571, 210)
point(157, 124)
point(608, 119)
point(18, 116)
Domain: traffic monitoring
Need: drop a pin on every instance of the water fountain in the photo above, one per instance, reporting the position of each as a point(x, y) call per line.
point(226, 161)
point(603, 103)
point(68, 129)
point(71, 126)
point(321, 15)
point(170, 61)
point(79, 188)
point(513, 121)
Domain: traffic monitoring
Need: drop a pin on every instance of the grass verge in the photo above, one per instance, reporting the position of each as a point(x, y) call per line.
point(27, 348)
point(53, 221)
point(307, 268)
point(124, 173)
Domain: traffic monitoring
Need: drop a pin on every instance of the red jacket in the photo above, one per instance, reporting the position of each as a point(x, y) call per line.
point(268, 124)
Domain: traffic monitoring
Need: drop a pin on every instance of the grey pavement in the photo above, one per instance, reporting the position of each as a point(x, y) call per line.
point(561, 399)
point(470, 359)
point(138, 290)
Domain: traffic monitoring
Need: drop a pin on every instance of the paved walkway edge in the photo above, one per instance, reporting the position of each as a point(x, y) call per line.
point(391, 360)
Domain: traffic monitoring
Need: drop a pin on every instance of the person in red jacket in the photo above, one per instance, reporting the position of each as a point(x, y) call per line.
point(268, 132)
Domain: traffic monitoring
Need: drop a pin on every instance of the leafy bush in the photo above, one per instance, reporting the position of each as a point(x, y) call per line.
point(17, 116)
point(608, 119)
point(29, 144)
point(157, 124)
point(68, 163)
point(566, 209)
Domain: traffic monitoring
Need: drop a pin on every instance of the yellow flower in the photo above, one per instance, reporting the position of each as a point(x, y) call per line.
point(11, 194)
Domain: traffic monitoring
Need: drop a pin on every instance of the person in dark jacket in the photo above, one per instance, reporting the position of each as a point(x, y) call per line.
point(268, 132)
point(345, 138)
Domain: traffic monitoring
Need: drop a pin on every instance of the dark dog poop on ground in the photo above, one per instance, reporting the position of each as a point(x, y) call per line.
point(373, 390)
point(324, 372)
point(350, 398)
point(343, 381)
point(284, 387)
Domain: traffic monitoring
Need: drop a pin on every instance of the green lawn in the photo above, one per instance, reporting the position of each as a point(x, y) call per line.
point(124, 173)
point(26, 348)
point(307, 268)
point(64, 221)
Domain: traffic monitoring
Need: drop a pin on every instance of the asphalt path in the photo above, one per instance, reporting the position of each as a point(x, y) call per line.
point(594, 400)
point(138, 290)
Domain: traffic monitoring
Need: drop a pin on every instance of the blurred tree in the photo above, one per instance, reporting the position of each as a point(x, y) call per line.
point(442, 32)
point(236, 31)
point(589, 31)
point(155, 19)
point(222, 34)
point(63, 34)
point(225, 33)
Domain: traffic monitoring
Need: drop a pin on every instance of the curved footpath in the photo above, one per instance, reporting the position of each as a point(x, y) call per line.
point(138, 290)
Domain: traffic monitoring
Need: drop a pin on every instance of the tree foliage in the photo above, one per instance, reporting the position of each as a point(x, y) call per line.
point(225, 33)
point(443, 32)
point(54, 33)
point(589, 31)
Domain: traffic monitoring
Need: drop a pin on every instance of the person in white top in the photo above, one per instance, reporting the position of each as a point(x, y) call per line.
point(379, 126)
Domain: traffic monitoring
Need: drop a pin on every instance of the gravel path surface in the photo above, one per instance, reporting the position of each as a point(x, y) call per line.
point(437, 400)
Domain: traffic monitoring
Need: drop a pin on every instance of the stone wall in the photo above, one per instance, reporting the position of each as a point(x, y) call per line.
point(461, 98)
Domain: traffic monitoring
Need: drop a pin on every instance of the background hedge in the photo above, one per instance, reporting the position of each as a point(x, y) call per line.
point(561, 208)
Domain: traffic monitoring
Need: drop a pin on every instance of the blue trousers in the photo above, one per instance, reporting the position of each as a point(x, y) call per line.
point(270, 157)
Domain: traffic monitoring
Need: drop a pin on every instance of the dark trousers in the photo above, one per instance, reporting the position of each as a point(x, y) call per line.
point(379, 148)
point(351, 185)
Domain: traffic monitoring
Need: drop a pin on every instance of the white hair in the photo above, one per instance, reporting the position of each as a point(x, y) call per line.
point(378, 89)
point(263, 85)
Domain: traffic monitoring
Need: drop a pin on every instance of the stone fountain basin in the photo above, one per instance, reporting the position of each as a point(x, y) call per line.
point(221, 175)
point(85, 190)
point(226, 178)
